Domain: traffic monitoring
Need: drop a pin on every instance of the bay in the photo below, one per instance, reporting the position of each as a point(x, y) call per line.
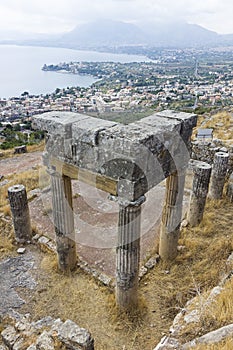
point(20, 68)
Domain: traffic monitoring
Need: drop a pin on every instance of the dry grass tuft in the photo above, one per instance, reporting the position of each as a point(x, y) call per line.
point(221, 311)
point(225, 345)
point(221, 123)
point(30, 179)
point(7, 247)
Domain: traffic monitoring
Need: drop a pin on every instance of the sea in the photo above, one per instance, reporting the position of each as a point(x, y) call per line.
point(20, 68)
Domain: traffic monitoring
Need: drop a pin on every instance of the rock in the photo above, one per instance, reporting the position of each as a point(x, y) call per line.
point(14, 273)
point(10, 336)
point(19, 344)
point(104, 279)
point(192, 317)
point(44, 322)
point(43, 240)
point(32, 347)
point(184, 223)
point(152, 262)
point(45, 342)
point(143, 270)
point(34, 193)
point(181, 248)
point(3, 347)
point(36, 237)
point(230, 259)
point(72, 335)
point(3, 183)
point(23, 325)
point(211, 338)
point(51, 246)
point(230, 191)
point(223, 149)
point(168, 343)
point(21, 250)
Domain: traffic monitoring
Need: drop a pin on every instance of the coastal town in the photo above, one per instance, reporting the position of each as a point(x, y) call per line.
point(175, 80)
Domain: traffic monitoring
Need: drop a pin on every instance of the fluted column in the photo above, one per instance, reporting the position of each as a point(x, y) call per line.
point(201, 181)
point(128, 254)
point(20, 213)
point(171, 217)
point(63, 221)
point(218, 176)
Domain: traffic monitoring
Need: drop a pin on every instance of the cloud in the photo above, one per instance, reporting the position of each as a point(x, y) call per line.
point(54, 15)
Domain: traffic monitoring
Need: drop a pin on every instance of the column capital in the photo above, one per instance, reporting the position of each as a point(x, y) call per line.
point(127, 203)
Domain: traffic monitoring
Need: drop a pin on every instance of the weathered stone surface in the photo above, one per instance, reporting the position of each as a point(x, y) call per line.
point(171, 217)
point(21, 250)
point(205, 151)
point(32, 347)
point(4, 182)
point(104, 279)
point(211, 338)
point(63, 218)
point(20, 213)
point(45, 342)
point(19, 344)
point(73, 336)
point(202, 172)
point(168, 343)
point(10, 336)
point(43, 240)
point(45, 334)
point(14, 272)
point(230, 188)
point(152, 262)
point(128, 253)
point(218, 175)
point(144, 152)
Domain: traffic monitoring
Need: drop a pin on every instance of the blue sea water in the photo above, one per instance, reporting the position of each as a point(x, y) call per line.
point(20, 68)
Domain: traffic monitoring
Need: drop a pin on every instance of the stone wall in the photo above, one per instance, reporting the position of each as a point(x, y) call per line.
point(205, 151)
point(45, 334)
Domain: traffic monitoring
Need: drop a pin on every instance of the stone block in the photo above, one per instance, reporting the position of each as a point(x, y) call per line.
point(10, 336)
point(73, 336)
point(45, 342)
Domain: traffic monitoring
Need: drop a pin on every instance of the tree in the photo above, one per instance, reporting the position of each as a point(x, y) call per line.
point(25, 93)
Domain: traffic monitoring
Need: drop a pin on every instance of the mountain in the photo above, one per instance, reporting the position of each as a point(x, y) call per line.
point(180, 34)
point(104, 34)
point(107, 33)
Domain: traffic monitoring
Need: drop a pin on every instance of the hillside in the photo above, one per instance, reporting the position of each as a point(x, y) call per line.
point(102, 34)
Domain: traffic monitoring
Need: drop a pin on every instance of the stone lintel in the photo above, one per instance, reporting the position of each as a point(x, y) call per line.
point(138, 156)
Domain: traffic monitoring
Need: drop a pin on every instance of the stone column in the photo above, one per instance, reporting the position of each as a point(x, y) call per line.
point(128, 254)
point(171, 217)
point(201, 181)
point(20, 213)
point(63, 221)
point(230, 189)
point(218, 176)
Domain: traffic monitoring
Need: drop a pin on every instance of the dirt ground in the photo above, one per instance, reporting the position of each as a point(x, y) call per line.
point(20, 163)
point(96, 224)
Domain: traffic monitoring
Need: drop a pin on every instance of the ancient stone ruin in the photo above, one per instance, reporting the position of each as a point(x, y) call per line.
point(125, 161)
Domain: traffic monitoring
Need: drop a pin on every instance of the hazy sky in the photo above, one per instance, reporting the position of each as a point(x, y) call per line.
point(62, 15)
